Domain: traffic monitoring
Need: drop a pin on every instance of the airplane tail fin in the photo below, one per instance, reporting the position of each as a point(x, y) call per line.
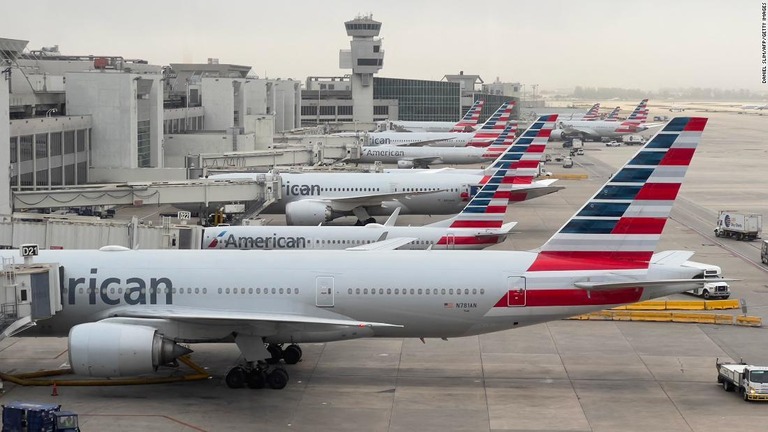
point(518, 165)
point(593, 113)
point(614, 115)
point(620, 226)
point(502, 142)
point(470, 119)
point(493, 127)
point(636, 120)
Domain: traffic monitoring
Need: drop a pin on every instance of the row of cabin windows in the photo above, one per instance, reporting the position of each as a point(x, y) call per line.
point(359, 242)
point(119, 290)
point(420, 291)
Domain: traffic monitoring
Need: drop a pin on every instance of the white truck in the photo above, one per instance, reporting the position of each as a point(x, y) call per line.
point(715, 289)
point(633, 140)
point(741, 226)
point(749, 380)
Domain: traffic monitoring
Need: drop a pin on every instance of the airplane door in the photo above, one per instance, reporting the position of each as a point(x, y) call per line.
point(324, 291)
point(516, 293)
point(450, 241)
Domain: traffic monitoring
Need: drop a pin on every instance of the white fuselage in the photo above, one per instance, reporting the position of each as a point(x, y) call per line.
point(441, 139)
point(449, 192)
point(595, 129)
point(428, 293)
point(432, 155)
point(342, 237)
point(421, 126)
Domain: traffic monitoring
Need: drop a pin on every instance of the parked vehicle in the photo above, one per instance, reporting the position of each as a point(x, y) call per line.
point(716, 289)
point(633, 140)
point(764, 252)
point(741, 226)
point(568, 162)
point(33, 417)
point(749, 380)
point(612, 144)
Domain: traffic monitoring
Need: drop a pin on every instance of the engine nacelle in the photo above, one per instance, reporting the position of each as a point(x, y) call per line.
point(108, 350)
point(307, 212)
point(557, 134)
point(404, 164)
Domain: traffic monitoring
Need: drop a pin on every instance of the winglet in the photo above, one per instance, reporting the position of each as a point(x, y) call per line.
point(393, 217)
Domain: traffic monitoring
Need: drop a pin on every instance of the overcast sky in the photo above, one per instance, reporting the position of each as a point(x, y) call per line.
point(646, 44)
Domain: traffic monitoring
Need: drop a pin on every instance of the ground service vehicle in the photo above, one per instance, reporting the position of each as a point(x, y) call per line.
point(764, 252)
point(750, 381)
point(741, 226)
point(38, 417)
point(716, 288)
point(633, 139)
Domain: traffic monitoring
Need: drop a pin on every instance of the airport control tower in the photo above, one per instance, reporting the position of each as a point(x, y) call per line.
point(365, 59)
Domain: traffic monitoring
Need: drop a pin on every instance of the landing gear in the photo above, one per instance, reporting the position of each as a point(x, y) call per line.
point(291, 354)
point(256, 377)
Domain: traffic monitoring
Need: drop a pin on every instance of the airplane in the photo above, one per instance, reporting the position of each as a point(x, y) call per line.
point(486, 133)
point(315, 198)
point(468, 123)
point(755, 107)
point(127, 311)
point(422, 157)
point(596, 130)
point(479, 225)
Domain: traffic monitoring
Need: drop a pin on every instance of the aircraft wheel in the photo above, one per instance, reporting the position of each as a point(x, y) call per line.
point(235, 378)
point(292, 354)
point(277, 379)
point(255, 379)
point(276, 353)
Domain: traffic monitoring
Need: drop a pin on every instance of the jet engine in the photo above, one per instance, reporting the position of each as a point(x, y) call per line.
point(307, 213)
point(112, 350)
point(557, 134)
point(404, 164)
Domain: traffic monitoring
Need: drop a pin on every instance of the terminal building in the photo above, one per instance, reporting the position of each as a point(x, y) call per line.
point(72, 121)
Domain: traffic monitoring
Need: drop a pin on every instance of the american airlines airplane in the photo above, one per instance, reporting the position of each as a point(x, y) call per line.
point(484, 135)
point(466, 124)
point(596, 130)
point(314, 198)
point(422, 157)
point(479, 225)
point(127, 311)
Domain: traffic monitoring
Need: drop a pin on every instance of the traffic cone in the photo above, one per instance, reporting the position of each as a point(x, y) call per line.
point(55, 391)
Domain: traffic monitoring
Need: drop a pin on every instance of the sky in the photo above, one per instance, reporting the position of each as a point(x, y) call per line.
point(648, 44)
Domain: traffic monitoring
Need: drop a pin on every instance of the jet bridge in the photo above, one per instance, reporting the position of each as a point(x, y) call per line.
point(30, 292)
point(256, 193)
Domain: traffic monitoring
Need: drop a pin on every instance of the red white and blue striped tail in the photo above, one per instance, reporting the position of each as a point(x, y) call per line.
point(518, 165)
point(525, 152)
point(636, 119)
point(493, 127)
point(502, 142)
point(614, 115)
point(620, 226)
point(470, 119)
point(593, 113)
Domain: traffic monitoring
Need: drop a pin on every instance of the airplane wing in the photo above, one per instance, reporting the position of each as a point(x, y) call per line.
point(393, 217)
point(424, 161)
point(681, 283)
point(423, 142)
point(390, 244)
point(204, 315)
point(374, 199)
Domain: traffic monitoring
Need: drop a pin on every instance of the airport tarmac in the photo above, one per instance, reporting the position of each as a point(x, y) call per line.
point(559, 376)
